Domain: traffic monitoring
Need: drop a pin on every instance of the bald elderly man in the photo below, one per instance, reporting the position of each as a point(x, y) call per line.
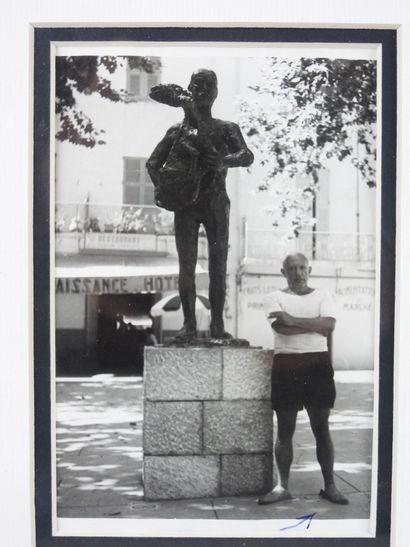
point(302, 375)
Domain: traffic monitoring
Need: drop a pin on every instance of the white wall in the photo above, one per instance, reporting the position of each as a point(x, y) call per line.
point(341, 192)
point(131, 129)
point(353, 338)
point(348, 196)
point(70, 311)
point(134, 129)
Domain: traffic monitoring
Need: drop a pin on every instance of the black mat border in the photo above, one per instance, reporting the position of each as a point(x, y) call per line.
point(43, 38)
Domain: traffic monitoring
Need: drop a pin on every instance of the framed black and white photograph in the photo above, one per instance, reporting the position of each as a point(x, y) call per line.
point(214, 284)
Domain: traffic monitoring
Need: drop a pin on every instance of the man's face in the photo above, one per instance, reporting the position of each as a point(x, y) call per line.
point(203, 89)
point(296, 270)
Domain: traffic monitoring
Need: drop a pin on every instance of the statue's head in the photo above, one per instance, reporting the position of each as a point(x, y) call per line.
point(203, 86)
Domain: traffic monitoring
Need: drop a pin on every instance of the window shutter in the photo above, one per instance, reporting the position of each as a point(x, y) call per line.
point(131, 194)
point(152, 79)
point(148, 193)
point(134, 84)
point(132, 170)
point(139, 82)
point(137, 186)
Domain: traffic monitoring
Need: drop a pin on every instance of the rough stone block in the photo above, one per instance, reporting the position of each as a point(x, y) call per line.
point(172, 428)
point(178, 374)
point(246, 373)
point(237, 427)
point(246, 474)
point(179, 477)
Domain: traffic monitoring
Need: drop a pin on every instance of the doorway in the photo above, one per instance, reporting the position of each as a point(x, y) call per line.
point(121, 323)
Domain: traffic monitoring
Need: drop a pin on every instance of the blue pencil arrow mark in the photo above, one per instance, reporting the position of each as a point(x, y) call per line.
point(305, 518)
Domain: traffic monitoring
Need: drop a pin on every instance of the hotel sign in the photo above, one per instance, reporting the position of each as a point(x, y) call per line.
point(116, 285)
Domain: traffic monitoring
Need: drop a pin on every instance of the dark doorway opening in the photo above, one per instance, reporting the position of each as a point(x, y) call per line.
point(121, 332)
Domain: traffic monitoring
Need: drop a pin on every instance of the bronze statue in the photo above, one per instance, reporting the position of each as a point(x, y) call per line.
point(188, 169)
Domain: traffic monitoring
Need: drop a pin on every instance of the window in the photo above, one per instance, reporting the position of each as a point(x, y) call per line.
point(140, 82)
point(137, 186)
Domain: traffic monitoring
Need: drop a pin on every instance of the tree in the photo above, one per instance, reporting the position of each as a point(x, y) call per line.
point(307, 111)
point(87, 75)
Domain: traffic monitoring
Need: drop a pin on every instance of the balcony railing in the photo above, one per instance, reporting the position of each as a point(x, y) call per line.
point(148, 220)
point(270, 245)
point(142, 229)
point(124, 219)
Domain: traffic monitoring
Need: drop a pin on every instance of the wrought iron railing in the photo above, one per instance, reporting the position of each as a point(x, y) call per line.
point(124, 219)
point(257, 244)
point(127, 228)
point(271, 244)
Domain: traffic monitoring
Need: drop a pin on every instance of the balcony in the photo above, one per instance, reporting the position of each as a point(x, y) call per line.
point(108, 218)
point(111, 229)
point(269, 245)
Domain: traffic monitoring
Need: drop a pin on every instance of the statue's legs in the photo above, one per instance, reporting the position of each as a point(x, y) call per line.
point(216, 222)
point(186, 239)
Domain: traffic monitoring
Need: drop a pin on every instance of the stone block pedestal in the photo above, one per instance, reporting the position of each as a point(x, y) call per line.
point(207, 422)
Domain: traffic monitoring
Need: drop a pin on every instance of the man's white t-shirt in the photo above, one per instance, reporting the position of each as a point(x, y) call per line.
point(318, 303)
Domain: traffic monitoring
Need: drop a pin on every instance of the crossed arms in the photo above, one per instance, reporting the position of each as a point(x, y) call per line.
point(284, 323)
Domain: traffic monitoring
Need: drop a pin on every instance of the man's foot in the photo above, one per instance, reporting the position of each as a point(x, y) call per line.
point(334, 495)
point(277, 494)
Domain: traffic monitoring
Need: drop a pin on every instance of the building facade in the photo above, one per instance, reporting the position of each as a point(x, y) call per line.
point(115, 253)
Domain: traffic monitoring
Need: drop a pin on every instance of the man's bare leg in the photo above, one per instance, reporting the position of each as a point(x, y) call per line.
point(283, 456)
point(319, 422)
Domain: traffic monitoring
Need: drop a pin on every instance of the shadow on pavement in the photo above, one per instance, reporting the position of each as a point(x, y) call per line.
point(99, 458)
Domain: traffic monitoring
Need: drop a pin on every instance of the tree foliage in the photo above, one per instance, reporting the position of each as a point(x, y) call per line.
point(305, 112)
point(88, 75)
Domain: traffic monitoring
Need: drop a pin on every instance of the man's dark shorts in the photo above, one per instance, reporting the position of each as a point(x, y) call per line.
point(302, 379)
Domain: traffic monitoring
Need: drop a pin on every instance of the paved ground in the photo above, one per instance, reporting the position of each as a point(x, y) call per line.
point(99, 456)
